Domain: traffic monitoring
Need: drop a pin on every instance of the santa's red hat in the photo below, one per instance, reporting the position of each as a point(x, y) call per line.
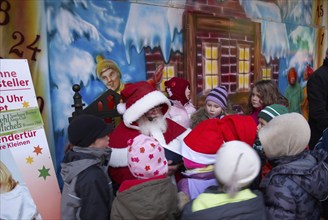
point(239, 127)
point(202, 143)
point(138, 99)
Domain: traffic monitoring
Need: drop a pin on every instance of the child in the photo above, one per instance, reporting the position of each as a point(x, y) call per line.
point(152, 195)
point(236, 166)
point(269, 112)
point(264, 93)
point(85, 165)
point(299, 178)
point(200, 147)
point(178, 91)
point(266, 115)
point(215, 106)
point(15, 199)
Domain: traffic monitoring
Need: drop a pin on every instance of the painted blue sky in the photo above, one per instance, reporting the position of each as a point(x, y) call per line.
point(80, 30)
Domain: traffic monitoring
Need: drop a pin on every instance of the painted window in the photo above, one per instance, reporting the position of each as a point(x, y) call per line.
point(211, 58)
point(243, 62)
point(169, 71)
point(266, 72)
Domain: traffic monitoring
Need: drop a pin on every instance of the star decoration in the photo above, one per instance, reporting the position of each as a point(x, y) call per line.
point(44, 172)
point(37, 150)
point(29, 160)
point(26, 104)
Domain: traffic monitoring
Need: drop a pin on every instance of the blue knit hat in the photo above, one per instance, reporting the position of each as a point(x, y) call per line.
point(219, 96)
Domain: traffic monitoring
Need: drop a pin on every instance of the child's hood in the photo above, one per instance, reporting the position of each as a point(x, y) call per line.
point(72, 169)
point(285, 135)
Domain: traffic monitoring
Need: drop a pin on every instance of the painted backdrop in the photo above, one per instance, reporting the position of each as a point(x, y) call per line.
point(61, 40)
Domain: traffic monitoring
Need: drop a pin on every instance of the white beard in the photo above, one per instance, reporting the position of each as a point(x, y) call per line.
point(149, 128)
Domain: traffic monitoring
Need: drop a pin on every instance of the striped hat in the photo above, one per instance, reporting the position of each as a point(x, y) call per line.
point(271, 111)
point(219, 96)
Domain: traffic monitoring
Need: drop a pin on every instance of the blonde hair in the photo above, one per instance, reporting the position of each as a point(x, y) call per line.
point(7, 182)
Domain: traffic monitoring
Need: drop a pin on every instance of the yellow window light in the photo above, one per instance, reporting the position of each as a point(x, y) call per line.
point(246, 70)
point(208, 52)
point(171, 72)
point(214, 67)
point(241, 54)
point(247, 54)
point(214, 52)
point(208, 67)
point(215, 82)
point(241, 67)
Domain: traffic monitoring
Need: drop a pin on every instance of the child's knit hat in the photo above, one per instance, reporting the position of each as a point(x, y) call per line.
point(176, 89)
point(219, 96)
point(85, 129)
point(236, 165)
point(271, 111)
point(146, 157)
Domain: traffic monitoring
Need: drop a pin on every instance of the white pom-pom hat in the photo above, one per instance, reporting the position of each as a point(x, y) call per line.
point(237, 165)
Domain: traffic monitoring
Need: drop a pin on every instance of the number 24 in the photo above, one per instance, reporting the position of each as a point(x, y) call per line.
point(20, 37)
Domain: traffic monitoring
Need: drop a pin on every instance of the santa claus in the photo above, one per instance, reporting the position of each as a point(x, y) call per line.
point(144, 112)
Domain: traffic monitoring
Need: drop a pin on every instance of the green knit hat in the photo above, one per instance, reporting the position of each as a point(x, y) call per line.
point(271, 111)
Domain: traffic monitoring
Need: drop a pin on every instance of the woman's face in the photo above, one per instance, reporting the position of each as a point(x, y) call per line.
point(213, 109)
point(255, 98)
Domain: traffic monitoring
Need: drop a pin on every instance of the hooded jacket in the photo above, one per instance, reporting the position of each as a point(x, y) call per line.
point(295, 185)
point(298, 179)
point(87, 191)
point(154, 199)
point(181, 113)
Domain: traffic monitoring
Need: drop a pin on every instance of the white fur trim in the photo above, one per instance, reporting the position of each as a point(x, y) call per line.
point(196, 156)
point(121, 107)
point(119, 157)
point(144, 104)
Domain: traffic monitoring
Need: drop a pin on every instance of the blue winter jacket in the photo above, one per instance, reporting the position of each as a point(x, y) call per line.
point(295, 185)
